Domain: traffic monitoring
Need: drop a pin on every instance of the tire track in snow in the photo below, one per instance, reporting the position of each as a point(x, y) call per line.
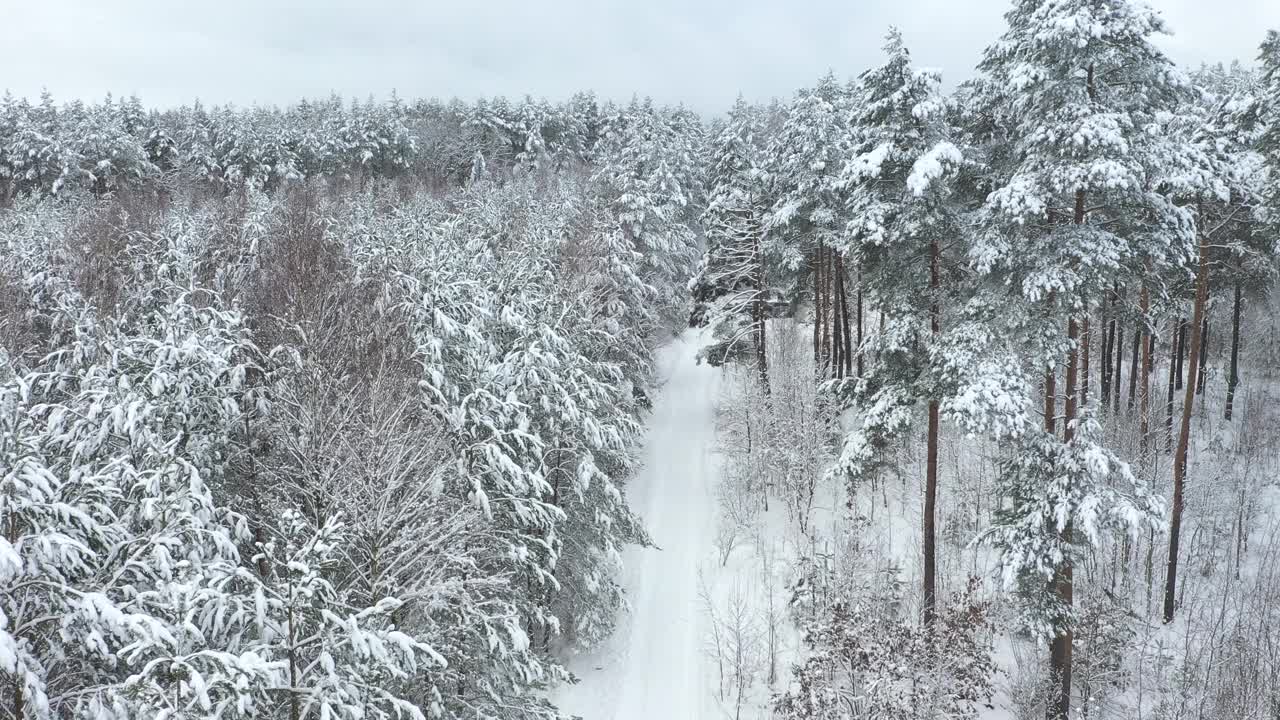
point(654, 666)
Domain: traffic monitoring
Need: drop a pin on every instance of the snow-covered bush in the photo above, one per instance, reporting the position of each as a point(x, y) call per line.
point(863, 662)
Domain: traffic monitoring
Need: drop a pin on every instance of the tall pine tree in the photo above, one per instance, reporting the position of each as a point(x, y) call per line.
point(1074, 88)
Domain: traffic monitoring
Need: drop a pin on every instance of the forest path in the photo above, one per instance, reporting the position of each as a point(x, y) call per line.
point(655, 665)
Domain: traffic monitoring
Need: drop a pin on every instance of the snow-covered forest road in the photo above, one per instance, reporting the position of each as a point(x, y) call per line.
point(654, 666)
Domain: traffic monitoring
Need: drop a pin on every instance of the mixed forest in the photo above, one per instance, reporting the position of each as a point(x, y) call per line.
point(330, 411)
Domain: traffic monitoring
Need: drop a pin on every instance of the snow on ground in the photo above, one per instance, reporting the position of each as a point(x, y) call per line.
point(655, 665)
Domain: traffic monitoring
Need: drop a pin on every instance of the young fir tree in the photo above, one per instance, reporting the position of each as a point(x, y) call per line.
point(1060, 85)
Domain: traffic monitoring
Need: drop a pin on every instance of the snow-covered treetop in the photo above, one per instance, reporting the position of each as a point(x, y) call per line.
point(1082, 96)
point(806, 159)
point(900, 150)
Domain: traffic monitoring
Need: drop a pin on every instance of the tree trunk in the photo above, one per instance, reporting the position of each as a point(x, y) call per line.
point(844, 317)
point(859, 321)
point(931, 464)
point(1085, 338)
point(1233, 378)
point(759, 313)
point(1204, 355)
point(1184, 430)
point(837, 326)
point(1050, 392)
point(828, 306)
point(1133, 365)
point(1108, 346)
point(1173, 370)
point(1059, 708)
point(817, 310)
point(1144, 396)
point(1181, 351)
point(1060, 645)
point(295, 709)
point(833, 313)
point(1117, 373)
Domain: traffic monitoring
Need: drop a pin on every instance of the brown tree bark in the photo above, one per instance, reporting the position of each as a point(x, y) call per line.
point(1116, 372)
point(837, 341)
point(1060, 646)
point(1108, 346)
point(844, 317)
point(1181, 351)
point(1204, 355)
point(1233, 376)
point(931, 464)
point(817, 311)
point(1184, 430)
point(859, 322)
point(1144, 395)
point(1060, 661)
point(1133, 365)
point(1050, 398)
point(827, 302)
point(759, 317)
point(1085, 338)
point(1173, 368)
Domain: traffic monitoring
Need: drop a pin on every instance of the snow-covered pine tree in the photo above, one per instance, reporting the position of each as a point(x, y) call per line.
point(57, 528)
point(1251, 105)
point(39, 152)
point(1240, 251)
point(376, 141)
point(1222, 179)
point(1082, 157)
point(118, 435)
point(1265, 116)
point(806, 158)
point(337, 658)
point(109, 155)
point(9, 117)
point(645, 167)
point(487, 125)
point(582, 125)
point(176, 400)
point(731, 287)
point(901, 213)
point(515, 370)
point(530, 125)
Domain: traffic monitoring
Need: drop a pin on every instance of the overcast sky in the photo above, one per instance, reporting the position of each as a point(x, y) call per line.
point(699, 52)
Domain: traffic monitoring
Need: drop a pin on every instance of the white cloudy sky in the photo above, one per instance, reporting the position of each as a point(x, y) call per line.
point(699, 52)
